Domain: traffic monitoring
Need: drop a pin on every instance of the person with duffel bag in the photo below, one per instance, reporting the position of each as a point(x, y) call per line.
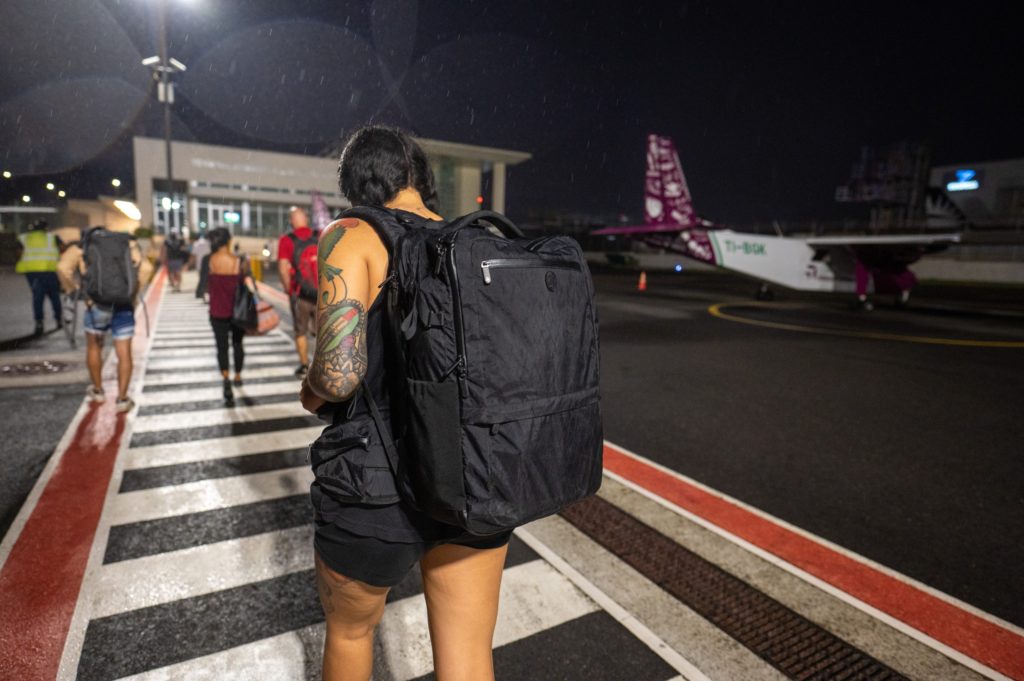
point(457, 363)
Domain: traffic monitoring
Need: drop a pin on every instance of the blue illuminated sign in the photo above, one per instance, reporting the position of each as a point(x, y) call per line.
point(966, 180)
point(232, 217)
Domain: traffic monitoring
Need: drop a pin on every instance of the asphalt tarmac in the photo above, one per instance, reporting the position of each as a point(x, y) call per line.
point(895, 434)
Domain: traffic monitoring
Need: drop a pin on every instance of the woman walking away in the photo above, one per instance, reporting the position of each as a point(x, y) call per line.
point(363, 549)
point(226, 271)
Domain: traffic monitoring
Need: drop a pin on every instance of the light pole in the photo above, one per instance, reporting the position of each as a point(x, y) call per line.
point(163, 66)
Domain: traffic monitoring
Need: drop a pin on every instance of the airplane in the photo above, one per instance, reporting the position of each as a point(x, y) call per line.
point(841, 264)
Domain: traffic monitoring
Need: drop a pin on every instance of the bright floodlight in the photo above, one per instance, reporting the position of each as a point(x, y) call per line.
point(177, 64)
point(149, 61)
point(49, 185)
point(128, 208)
point(26, 198)
point(116, 182)
point(61, 194)
point(166, 203)
point(7, 174)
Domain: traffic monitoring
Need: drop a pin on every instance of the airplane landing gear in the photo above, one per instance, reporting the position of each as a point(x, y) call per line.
point(764, 293)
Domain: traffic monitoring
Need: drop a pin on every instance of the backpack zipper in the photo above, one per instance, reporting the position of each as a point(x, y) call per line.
point(461, 363)
point(343, 445)
point(550, 263)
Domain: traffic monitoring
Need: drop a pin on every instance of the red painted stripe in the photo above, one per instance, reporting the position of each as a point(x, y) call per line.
point(962, 630)
point(42, 576)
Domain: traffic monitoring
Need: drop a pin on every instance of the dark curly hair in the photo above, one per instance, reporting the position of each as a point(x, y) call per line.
point(378, 161)
point(219, 238)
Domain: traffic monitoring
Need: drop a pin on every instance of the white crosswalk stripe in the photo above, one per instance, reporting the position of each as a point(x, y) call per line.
point(219, 448)
point(211, 374)
point(127, 585)
point(209, 359)
point(207, 495)
point(220, 416)
point(192, 395)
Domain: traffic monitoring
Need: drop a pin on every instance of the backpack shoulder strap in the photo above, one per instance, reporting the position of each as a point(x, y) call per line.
point(383, 221)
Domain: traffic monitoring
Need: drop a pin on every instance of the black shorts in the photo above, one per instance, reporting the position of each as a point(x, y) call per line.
point(384, 563)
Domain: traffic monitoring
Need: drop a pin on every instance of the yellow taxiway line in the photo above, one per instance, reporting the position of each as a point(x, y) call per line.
point(717, 311)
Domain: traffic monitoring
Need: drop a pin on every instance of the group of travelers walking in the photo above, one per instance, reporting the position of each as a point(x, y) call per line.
point(368, 537)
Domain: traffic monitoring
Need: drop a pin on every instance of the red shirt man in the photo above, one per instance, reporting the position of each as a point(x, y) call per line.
point(303, 311)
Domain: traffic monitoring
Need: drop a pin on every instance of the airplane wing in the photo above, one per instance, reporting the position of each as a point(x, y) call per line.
point(660, 228)
point(883, 240)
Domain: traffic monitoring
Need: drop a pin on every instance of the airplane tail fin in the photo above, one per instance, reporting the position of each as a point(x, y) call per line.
point(666, 195)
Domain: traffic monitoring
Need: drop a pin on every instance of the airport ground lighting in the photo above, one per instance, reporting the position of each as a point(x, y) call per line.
point(163, 66)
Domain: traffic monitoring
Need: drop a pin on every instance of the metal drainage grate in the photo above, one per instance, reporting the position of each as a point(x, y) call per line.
point(33, 368)
point(781, 637)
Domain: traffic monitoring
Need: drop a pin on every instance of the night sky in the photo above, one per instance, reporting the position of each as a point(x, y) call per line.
point(769, 103)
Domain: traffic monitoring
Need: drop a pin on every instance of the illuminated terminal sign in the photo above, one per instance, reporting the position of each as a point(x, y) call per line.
point(966, 180)
point(232, 217)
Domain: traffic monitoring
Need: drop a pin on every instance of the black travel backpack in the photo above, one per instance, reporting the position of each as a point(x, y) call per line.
point(493, 366)
point(110, 276)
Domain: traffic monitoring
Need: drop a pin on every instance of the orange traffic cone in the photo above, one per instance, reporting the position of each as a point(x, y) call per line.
point(642, 284)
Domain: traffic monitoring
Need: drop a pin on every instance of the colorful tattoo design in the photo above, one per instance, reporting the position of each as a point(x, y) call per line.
point(339, 362)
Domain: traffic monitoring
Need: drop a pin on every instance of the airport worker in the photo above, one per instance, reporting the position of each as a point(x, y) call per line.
point(296, 265)
point(363, 550)
point(38, 253)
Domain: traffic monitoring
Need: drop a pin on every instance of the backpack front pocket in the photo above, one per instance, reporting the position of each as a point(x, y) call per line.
point(352, 467)
point(433, 446)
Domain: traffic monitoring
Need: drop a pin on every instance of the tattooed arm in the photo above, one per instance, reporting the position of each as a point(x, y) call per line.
point(339, 362)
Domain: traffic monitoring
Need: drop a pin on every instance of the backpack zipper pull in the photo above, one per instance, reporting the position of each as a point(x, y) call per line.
point(486, 267)
point(439, 252)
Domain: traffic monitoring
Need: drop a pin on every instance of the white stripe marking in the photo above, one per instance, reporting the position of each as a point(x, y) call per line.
point(285, 656)
point(219, 448)
point(211, 374)
point(166, 577)
point(208, 359)
point(638, 628)
point(218, 417)
point(208, 495)
point(191, 395)
point(534, 597)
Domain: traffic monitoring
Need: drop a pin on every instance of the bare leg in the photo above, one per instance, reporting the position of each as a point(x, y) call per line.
point(123, 348)
point(352, 609)
point(303, 347)
point(461, 586)
point(94, 358)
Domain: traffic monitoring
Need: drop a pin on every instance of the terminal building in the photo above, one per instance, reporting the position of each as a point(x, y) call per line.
point(989, 194)
point(250, 191)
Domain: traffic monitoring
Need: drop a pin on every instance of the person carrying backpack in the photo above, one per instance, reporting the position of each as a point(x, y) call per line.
point(296, 265)
point(175, 255)
point(380, 324)
point(112, 271)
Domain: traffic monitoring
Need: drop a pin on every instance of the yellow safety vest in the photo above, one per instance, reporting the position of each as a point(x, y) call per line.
point(40, 252)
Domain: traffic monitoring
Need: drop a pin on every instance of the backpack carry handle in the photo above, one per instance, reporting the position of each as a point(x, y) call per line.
point(506, 226)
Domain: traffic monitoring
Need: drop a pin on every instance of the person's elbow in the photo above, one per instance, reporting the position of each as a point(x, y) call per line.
point(335, 388)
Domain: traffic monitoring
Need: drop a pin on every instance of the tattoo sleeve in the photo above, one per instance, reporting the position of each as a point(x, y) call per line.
point(339, 362)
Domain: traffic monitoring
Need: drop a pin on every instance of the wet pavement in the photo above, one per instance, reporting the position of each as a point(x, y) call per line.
point(198, 563)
